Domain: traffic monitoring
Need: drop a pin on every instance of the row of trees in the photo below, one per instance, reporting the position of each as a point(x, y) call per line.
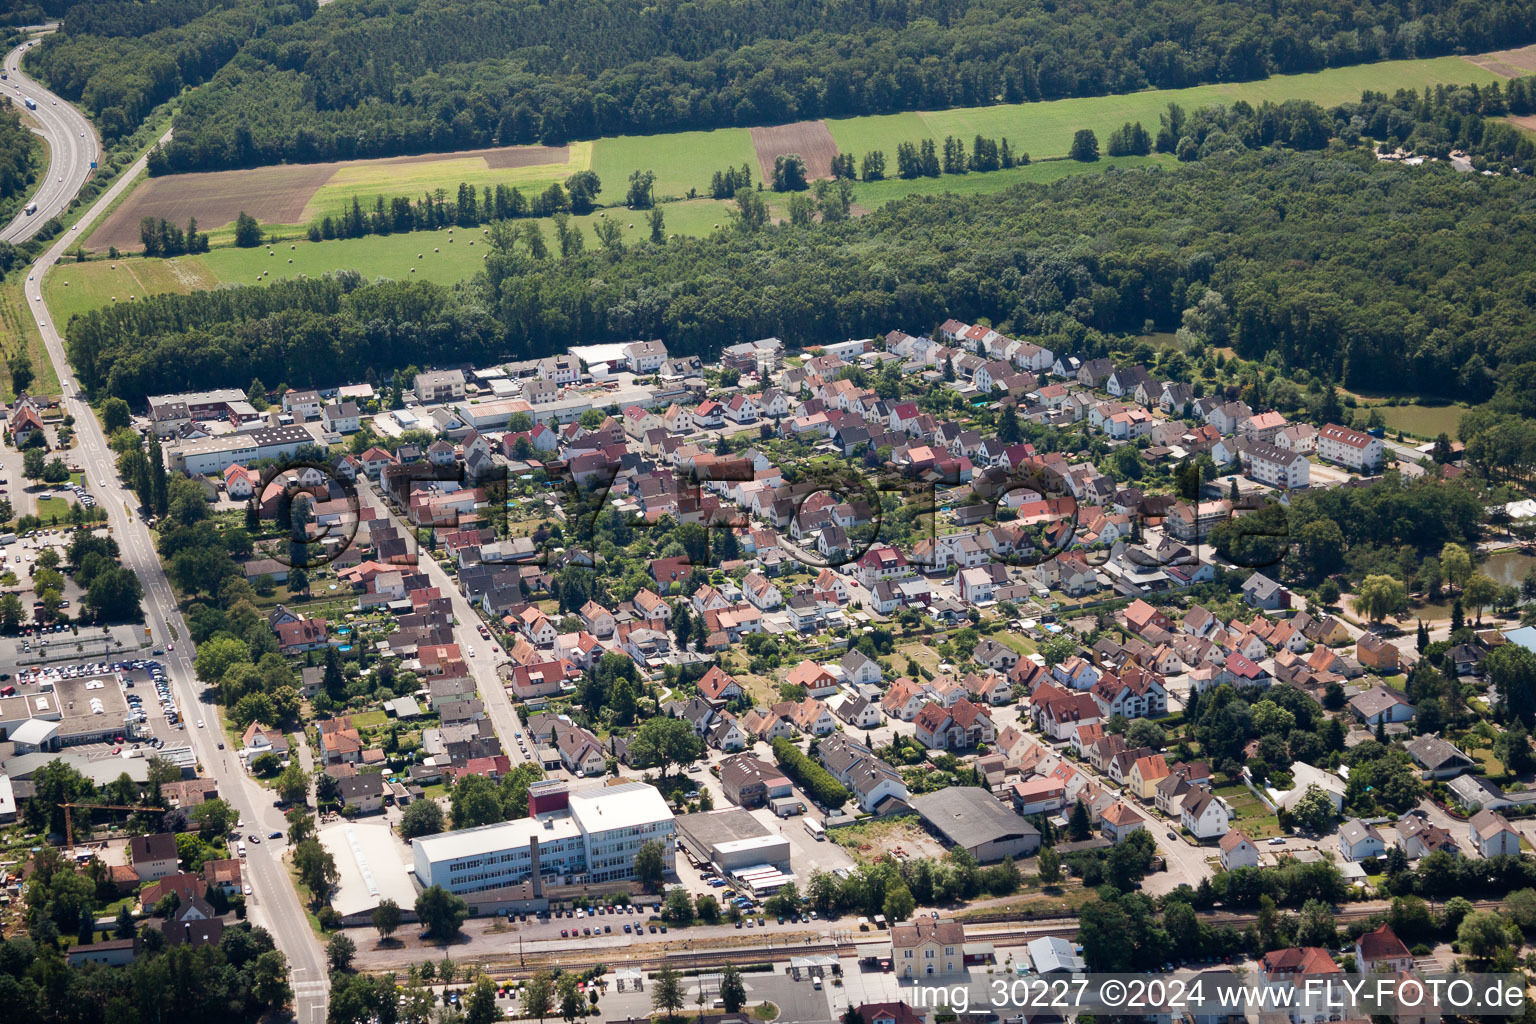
point(473, 207)
point(359, 84)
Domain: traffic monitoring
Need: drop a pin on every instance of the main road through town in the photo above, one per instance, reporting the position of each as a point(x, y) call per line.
point(274, 902)
point(72, 146)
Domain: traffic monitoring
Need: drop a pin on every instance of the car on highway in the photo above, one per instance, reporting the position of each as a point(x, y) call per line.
point(199, 723)
point(274, 835)
point(247, 890)
point(253, 837)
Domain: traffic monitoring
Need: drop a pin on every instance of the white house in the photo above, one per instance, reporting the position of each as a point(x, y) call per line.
point(1238, 851)
point(1359, 841)
point(1493, 835)
point(1205, 815)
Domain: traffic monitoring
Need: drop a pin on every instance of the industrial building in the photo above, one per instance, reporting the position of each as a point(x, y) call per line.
point(212, 454)
point(974, 819)
point(733, 841)
point(569, 838)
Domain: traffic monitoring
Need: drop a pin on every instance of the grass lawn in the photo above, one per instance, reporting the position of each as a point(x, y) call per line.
point(1426, 421)
point(369, 719)
point(18, 331)
point(50, 506)
point(1023, 644)
point(1248, 813)
point(681, 161)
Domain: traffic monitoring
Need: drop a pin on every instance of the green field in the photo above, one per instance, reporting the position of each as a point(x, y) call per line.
point(682, 161)
point(1045, 129)
point(1426, 421)
point(367, 179)
point(443, 256)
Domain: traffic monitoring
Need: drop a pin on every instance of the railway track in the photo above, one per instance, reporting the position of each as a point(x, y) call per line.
point(682, 956)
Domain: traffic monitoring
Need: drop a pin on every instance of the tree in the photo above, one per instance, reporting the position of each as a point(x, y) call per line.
point(789, 173)
point(1050, 866)
point(316, 868)
point(114, 415)
point(421, 818)
point(386, 918)
point(1380, 596)
point(568, 994)
point(441, 911)
point(732, 992)
point(1059, 648)
point(1079, 825)
point(1085, 146)
point(899, 903)
point(480, 1007)
point(538, 996)
point(1456, 563)
point(1479, 591)
point(339, 952)
point(293, 785)
point(473, 801)
point(247, 231)
point(1511, 673)
point(32, 463)
point(665, 743)
point(642, 190)
point(1314, 811)
point(677, 907)
point(651, 865)
point(1483, 933)
point(667, 992)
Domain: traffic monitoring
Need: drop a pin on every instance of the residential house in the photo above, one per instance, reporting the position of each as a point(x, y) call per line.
point(1205, 815)
point(1381, 952)
point(1492, 835)
point(1238, 851)
point(1359, 841)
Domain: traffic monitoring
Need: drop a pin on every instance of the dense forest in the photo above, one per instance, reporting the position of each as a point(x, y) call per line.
point(385, 77)
point(20, 154)
point(120, 60)
point(1368, 273)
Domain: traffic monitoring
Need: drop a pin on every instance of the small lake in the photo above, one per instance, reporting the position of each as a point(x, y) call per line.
point(1507, 568)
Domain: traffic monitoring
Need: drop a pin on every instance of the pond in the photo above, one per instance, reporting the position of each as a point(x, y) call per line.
point(1507, 568)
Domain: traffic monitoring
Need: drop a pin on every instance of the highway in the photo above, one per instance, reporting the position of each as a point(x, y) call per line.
point(275, 903)
point(72, 145)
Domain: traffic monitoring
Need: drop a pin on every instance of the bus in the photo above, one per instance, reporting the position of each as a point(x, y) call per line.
point(31, 103)
point(815, 829)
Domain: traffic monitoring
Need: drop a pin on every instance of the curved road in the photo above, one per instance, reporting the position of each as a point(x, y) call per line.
point(274, 903)
point(72, 145)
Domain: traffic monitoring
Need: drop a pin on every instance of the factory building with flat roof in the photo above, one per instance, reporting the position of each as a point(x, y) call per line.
point(569, 838)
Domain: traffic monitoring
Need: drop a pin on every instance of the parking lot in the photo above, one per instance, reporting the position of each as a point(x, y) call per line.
point(107, 707)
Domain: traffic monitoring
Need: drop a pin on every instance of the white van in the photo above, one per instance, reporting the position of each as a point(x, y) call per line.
point(241, 847)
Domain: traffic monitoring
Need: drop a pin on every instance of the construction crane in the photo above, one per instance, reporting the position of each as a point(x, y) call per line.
point(69, 821)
